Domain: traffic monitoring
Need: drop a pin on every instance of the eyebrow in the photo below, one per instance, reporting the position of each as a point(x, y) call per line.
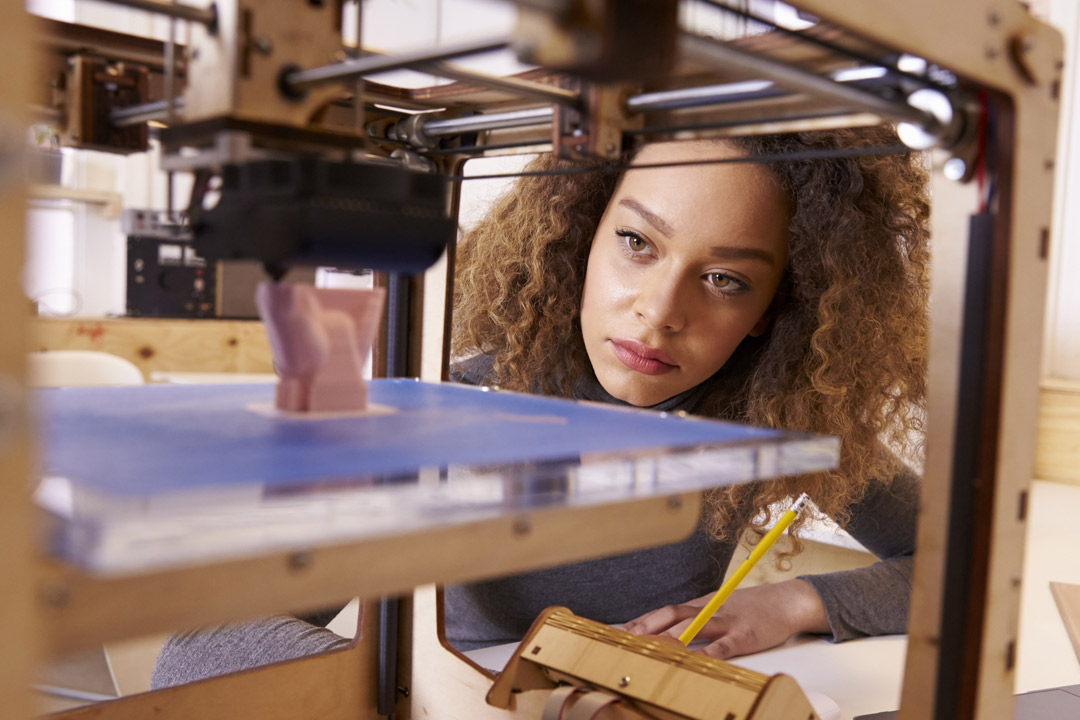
point(652, 218)
point(729, 252)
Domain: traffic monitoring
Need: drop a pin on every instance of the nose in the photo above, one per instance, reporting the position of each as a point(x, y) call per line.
point(659, 303)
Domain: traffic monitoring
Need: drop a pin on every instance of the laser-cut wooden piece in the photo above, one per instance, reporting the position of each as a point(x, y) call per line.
point(651, 678)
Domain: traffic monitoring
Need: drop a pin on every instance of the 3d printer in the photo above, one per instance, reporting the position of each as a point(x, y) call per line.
point(339, 170)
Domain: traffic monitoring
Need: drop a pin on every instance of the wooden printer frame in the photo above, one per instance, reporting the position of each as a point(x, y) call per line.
point(984, 382)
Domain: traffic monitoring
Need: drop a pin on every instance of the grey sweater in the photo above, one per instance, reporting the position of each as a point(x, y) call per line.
point(867, 601)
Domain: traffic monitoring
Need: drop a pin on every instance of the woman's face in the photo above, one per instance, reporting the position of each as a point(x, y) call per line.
point(683, 266)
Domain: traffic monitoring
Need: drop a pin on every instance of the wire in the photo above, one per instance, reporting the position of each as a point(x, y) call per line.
point(765, 158)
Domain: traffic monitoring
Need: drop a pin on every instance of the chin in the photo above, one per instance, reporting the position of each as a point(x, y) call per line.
point(634, 396)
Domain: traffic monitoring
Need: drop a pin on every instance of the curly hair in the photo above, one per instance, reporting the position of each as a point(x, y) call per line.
point(845, 353)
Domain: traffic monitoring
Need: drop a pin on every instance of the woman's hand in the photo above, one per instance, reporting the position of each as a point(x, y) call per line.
point(750, 620)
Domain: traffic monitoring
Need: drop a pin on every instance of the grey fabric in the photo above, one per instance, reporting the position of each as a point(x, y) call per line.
point(868, 601)
point(197, 654)
point(611, 590)
point(873, 600)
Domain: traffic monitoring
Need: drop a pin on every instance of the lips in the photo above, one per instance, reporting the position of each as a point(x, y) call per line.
point(642, 358)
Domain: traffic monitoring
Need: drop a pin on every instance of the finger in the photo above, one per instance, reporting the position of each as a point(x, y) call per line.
point(656, 622)
point(730, 642)
point(722, 648)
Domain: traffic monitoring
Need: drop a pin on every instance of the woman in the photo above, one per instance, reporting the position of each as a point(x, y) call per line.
point(783, 293)
point(789, 293)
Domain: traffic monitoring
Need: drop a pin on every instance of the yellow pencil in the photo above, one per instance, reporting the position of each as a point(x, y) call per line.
point(732, 582)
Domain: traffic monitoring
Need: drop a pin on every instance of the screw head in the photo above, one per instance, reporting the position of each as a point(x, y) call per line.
point(56, 595)
point(302, 560)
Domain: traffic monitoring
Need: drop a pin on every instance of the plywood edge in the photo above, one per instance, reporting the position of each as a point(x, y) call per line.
point(1057, 454)
point(162, 345)
point(1067, 598)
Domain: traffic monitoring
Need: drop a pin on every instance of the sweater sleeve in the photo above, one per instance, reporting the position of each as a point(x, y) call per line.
point(475, 370)
point(874, 600)
point(206, 652)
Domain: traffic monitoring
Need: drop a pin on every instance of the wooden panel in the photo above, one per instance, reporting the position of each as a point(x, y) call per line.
point(163, 345)
point(80, 610)
point(1067, 598)
point(17, 617)
point(234, 74)
point(1057, 453)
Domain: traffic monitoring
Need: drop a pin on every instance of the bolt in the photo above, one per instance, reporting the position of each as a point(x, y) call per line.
point(57, 595)
point(264, 46)
point(994, 18)
point(302, 560)
point(674, 502)
point(522, 526)
point(991, 53)
point(624, 681)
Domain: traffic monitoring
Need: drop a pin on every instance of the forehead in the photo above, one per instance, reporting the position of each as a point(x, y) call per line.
point(707, 195)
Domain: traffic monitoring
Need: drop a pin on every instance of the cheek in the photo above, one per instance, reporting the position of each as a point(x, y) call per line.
point(724, 336)
point(596, 294)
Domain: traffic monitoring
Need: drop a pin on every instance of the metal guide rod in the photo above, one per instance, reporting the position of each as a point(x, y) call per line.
point(517, 86)
point(135, 114)
point(492, 121)
point(207, 16)
point(351, 69)
point(810, 38)
point(799, 80)
point(706, 95)
point(645, 102)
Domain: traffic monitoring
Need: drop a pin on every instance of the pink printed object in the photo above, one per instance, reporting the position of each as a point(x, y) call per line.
point(320, 339)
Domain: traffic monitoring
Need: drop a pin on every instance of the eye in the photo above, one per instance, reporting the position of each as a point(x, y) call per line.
point(726, 284)
point(721, 281)
point(634, 242)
